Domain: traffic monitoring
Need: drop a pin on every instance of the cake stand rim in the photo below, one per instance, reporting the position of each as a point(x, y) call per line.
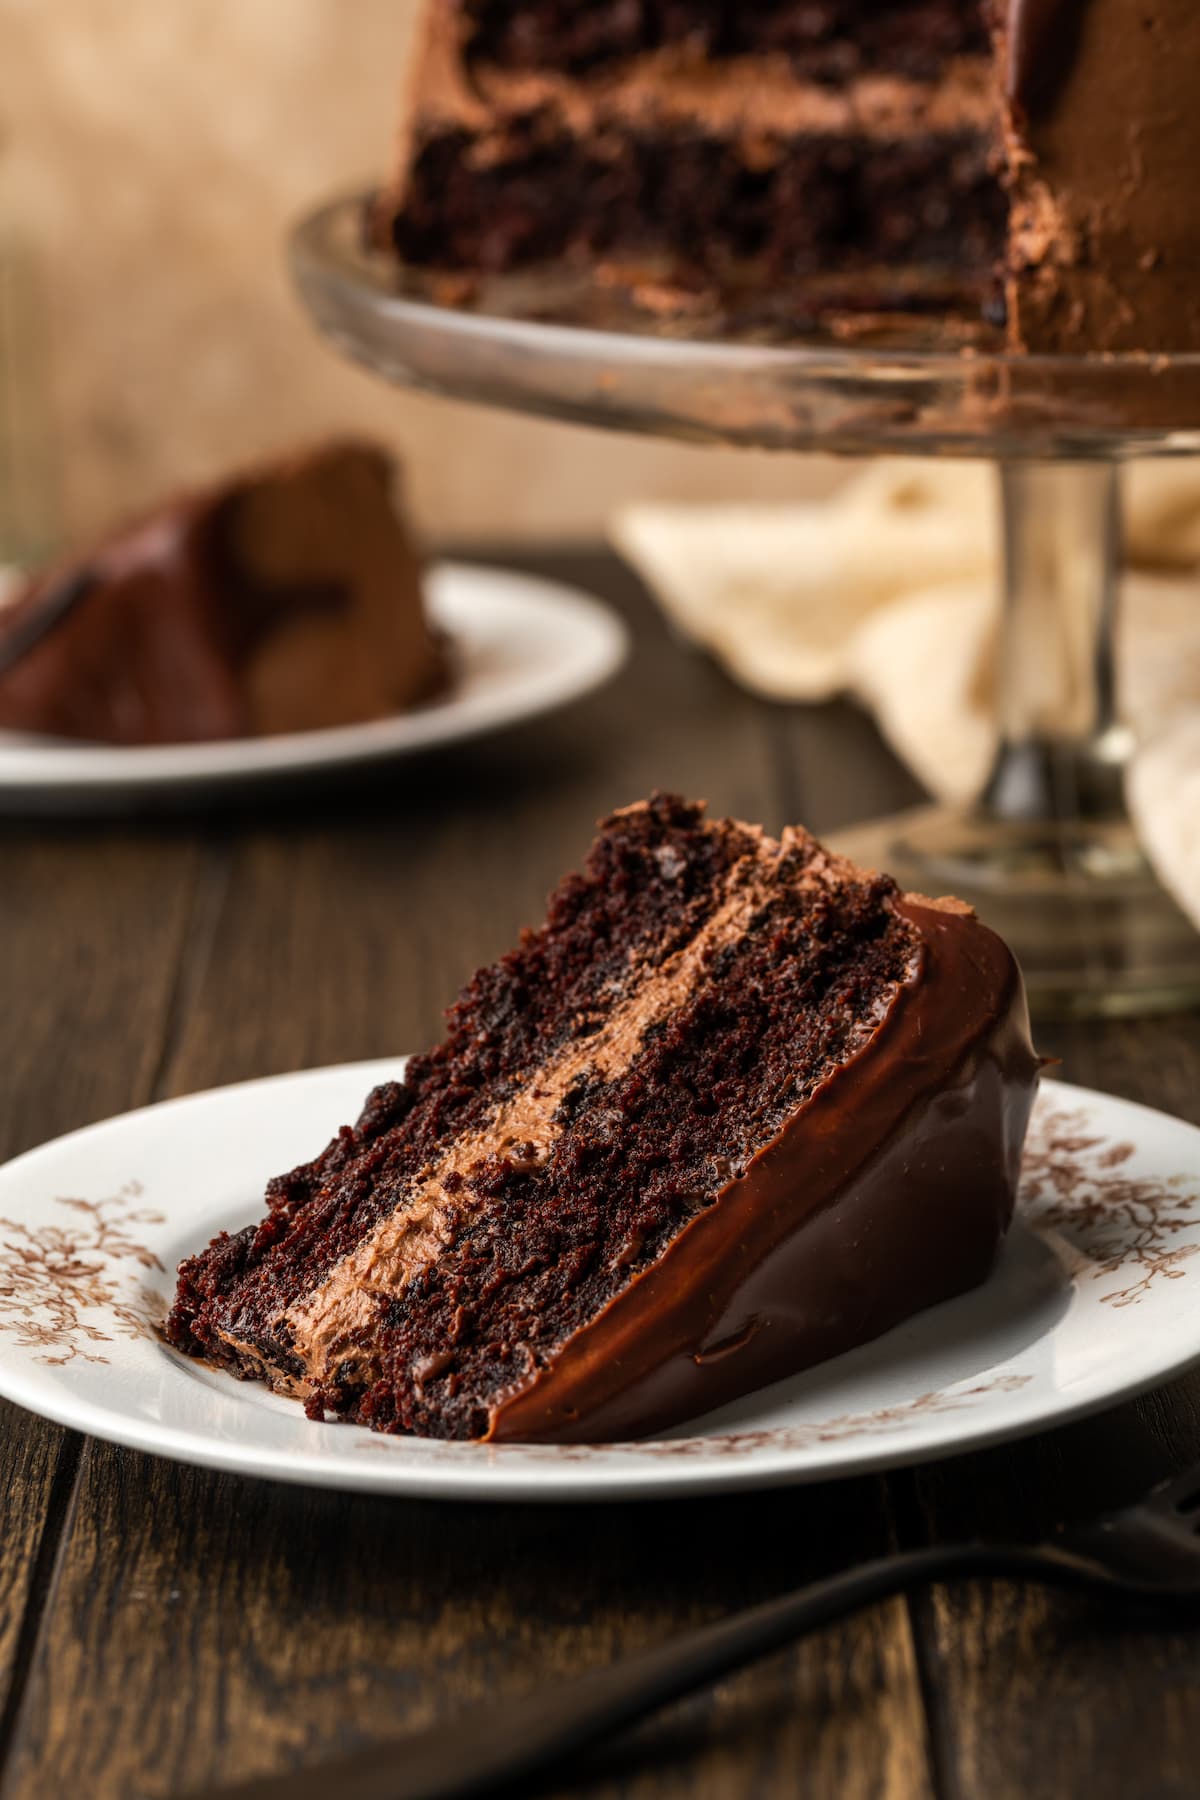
point(308, 251)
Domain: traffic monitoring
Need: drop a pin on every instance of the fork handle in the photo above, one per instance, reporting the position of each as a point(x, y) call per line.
point(501, 1741)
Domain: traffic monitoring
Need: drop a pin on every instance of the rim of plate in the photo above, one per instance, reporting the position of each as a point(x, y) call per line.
point(656, 1469)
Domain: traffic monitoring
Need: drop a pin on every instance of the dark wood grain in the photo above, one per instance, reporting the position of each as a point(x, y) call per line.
point(94, 925)
point(39, 1464)
point(92, 931)
point(166, 1625)
point(299, 1623)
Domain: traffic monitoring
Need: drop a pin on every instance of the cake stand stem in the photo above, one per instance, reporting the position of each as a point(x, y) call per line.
point(1062, 748)
point(1048, 854)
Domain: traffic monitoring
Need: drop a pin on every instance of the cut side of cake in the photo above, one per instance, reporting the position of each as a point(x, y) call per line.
point(843, 145)
point(285, 598)
point(1019, 163)
point(736, 1107)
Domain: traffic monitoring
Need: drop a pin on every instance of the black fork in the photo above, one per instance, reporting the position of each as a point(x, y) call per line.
point(1149, 1551)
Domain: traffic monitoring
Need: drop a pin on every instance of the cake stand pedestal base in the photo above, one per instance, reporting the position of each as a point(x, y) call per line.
point(1095, 933)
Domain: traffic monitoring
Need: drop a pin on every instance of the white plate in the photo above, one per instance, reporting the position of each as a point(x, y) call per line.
point(1096, 1296)
point(523, 647)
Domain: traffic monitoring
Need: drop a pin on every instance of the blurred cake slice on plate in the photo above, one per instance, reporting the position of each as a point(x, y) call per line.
point(286, 598)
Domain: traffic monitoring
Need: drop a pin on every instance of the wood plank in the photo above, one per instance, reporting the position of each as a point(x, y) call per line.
point(306, 1622)
point(39, 1463)
point(1036, 1695)
point(92, 923)
point(92, 927)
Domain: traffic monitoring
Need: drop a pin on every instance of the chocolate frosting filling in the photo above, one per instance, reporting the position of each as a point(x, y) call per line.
point(753, 96)
point(886, 1192)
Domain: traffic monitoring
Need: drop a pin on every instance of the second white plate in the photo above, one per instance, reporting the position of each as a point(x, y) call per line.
point(523, 647)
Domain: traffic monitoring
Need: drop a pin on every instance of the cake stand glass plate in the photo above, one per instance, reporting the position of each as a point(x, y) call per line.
point(522, 647)
point(1048, 855)
point(1096, 1296)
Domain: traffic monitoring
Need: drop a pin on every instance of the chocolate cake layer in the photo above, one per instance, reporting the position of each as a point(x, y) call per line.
point(726, 1074)
point(536, 193)
point(286, 598)
point(826, 40)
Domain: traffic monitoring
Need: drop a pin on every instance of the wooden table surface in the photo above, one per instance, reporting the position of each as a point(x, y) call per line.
point(163, 1626)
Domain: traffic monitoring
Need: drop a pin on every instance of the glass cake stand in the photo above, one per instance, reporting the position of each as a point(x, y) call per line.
point(1048, 855)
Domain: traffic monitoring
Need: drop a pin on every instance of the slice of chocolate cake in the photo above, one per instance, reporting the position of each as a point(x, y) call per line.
point(1021, 159)
point(736, 1107)
point(285, 599)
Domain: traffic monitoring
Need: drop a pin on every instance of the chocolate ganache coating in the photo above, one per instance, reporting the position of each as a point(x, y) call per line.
point(1102, 145)
point(887, 1191)
point(1043, 36)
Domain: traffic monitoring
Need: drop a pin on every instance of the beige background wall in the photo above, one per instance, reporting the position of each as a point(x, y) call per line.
point(151, 153)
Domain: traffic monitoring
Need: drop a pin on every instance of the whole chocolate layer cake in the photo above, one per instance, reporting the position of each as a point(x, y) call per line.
point(286, 598)
point(1027, 162)
point(736, 1107)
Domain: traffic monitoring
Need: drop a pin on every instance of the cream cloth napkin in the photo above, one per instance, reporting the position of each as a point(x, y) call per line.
point(889, 592)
